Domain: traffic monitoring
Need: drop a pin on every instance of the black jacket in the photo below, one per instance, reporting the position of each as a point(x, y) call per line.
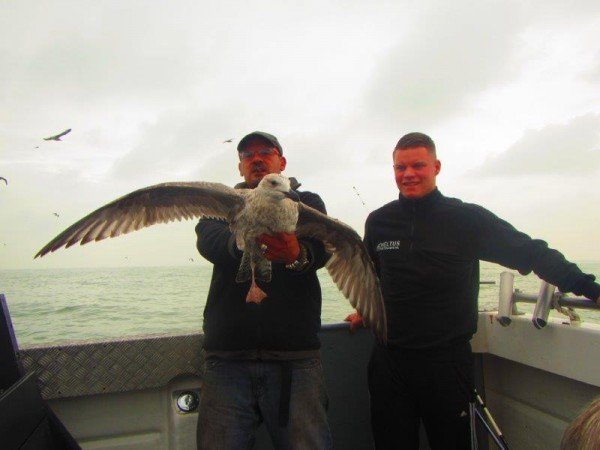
point(426, 253)
point(288, 319)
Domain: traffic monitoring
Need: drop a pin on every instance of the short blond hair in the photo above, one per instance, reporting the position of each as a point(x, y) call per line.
point(584, 431)
point(414, 140)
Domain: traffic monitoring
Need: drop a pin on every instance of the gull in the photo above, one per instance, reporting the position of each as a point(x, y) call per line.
point(56, 214)
point(5, 180)
point(228, 140)
point(58, 136)
point(269, 208)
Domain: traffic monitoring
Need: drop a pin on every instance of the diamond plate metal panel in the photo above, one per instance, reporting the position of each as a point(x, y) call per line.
point(99, 367)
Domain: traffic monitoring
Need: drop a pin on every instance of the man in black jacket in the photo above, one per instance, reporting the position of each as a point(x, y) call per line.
point(426, 249)
point(262, 360)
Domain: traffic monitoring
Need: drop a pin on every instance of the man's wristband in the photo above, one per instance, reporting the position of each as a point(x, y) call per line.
point(301, 262)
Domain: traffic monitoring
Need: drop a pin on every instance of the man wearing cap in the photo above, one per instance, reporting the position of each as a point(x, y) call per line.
point(262, 361)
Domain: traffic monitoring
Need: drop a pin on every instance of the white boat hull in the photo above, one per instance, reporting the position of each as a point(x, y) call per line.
point(534, 381)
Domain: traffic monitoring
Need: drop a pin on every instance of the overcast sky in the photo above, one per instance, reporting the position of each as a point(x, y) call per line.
point(510, 92)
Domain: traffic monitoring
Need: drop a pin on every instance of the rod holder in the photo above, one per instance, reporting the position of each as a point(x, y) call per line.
point(543, 305)
point(505, 301)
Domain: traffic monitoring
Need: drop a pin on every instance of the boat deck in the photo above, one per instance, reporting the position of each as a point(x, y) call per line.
point(121, 394)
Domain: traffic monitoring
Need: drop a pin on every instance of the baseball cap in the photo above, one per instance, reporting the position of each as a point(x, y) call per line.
point(260, 134)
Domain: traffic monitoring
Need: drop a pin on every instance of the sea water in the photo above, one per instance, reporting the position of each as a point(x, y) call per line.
point(57, 305)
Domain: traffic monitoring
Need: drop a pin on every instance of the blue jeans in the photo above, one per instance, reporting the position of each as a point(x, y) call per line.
point(237, 396)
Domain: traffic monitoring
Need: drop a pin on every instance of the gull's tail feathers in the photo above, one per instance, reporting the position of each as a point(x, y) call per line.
point(245, 270)
point(263, 270)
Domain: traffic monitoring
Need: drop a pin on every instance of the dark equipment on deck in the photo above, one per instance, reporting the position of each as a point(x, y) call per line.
point(26, 421)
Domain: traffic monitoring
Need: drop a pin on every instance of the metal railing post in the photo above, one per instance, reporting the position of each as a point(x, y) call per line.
point(505, 302)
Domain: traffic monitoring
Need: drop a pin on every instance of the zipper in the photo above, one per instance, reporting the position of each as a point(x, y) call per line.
point(412, 227)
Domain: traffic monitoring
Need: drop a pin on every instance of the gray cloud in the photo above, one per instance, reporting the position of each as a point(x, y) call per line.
point(562, 149)
point(179, 142)
point(152, 90)
point(444, 61)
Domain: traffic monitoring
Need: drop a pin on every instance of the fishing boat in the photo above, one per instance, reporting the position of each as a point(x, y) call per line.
point(535, 374)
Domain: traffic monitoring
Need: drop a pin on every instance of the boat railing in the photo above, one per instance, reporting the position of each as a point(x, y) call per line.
point(547, 299)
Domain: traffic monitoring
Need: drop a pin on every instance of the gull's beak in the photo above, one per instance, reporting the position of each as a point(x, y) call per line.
point(292, 195)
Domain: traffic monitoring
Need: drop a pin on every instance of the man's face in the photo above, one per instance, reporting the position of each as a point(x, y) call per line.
point(415, 170)
point(257, 159)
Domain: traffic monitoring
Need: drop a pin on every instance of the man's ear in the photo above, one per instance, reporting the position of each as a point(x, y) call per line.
point(282, 163)
point(240, 169)
point(438, 166)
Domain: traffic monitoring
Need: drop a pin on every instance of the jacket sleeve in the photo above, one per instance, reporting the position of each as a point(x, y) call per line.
point(216, 243)
point(317, 256)
point(499, 242)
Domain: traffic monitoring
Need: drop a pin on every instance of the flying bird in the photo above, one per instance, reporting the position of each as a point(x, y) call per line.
point(269, 208)
point(192, 259)
point(58, 136)
point(5, 180)
point(228, 140)
point(56, 214)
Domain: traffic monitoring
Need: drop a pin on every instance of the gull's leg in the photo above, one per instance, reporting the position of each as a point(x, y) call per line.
point(248, 271)
point(255, 294)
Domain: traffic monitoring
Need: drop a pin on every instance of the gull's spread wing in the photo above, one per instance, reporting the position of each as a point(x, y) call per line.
point(58, 136)
point(350, 266)
point(63, 133)
point(160, 203)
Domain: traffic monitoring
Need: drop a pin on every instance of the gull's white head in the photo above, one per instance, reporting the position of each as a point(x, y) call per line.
point(276, 185)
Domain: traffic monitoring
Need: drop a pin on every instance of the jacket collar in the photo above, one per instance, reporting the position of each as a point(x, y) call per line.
point(422, 202)
point(293, 184)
